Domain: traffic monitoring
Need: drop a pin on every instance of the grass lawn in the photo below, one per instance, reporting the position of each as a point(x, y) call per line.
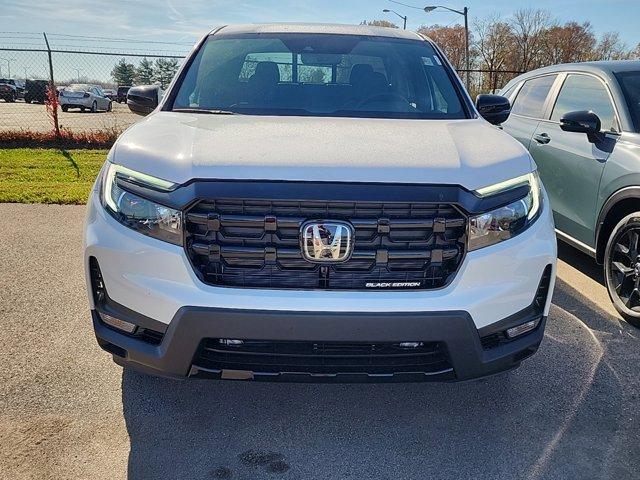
point(34, 175)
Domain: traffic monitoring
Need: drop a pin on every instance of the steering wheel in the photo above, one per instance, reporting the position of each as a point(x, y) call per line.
point(380, 97)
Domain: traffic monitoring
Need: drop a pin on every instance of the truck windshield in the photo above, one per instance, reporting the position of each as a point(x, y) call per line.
point(319, 75)
point(630, 83)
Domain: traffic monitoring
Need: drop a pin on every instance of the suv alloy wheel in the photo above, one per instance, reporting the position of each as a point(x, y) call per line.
point(622, 268)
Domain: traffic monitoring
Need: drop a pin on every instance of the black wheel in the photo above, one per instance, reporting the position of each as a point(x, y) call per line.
point(94, 107)
point(82, 109)
point(109, 107)
point(65, 108)
point(12, 98)
point(27, 100)
point(622, 268)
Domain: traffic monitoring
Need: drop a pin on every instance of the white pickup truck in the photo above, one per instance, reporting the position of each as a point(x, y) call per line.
point(318, 203)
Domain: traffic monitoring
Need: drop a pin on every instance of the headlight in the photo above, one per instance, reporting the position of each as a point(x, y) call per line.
point(506, 222)
point(137, 213)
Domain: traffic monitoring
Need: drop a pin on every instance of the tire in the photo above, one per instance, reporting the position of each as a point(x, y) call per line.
point(109, 107)
point(65, 108)
point(11, 98)
point(622, 268)
point(94, 107)
point(27, 100)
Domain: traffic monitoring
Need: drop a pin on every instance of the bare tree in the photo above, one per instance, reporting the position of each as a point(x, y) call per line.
point(379, 23)
point(495, 47)
point(451, 40)
point(568, 43)
point(529, 27)
point(530, 39)
point(610, 47)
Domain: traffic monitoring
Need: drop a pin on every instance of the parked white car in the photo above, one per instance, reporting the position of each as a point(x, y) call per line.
point(84, 97)
point(318, 203)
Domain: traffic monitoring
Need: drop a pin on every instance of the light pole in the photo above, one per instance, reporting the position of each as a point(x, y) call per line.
point(403, 17)
point(464, 12)
point(8, 60)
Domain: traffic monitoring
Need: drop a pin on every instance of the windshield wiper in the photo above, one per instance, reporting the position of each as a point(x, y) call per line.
point(203, 110)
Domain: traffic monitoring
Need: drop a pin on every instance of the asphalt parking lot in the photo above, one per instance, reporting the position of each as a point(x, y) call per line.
point(33, 116)
point(67, 412)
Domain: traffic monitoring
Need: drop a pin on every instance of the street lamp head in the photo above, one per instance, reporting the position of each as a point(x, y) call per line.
point(429, 9)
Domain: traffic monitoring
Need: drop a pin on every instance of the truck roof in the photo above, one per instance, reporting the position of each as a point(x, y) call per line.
point(317, 28)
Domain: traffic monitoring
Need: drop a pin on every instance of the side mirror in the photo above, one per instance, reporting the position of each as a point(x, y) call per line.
point(143, 99)
point(495, 109)
point(583, 122)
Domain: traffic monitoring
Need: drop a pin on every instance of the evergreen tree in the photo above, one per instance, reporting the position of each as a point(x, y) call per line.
point(144, 72)
point(164, 70)
point(123, 73)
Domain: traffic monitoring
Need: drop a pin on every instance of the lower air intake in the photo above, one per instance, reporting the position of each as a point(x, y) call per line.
point(323, 358)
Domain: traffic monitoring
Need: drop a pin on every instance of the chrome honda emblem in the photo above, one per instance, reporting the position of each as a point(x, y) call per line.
point(326, 241)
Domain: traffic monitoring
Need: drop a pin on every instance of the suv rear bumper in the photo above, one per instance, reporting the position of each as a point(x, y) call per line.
point(175, 355)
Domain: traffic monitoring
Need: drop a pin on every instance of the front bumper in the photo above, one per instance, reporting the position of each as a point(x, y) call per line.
point(177, 355)
point(493, 290)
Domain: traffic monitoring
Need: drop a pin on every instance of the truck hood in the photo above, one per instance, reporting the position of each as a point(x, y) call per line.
point(181, 146)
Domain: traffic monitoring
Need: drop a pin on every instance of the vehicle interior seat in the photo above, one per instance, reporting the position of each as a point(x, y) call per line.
point(367, 82)
point(263, 83)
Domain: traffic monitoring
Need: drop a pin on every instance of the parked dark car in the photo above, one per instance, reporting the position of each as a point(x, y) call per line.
point(35, 91)
point(121, 96)
point(8, 90)
point(581, 123)
point(110, 93)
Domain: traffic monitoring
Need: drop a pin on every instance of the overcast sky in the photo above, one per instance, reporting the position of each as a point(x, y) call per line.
point(184, 21)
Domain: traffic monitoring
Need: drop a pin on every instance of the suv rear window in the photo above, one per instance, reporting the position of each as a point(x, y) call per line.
point(320, 75)
point(532, 95)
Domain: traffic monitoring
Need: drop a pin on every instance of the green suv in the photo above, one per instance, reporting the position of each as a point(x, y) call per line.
point(581, 124)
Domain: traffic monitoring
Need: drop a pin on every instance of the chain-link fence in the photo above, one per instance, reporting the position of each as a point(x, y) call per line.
point(89, 69)
point(28, 62)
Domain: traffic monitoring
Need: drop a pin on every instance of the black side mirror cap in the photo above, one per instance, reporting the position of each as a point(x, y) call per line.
point(495, 109)
point(583, 121)
point(143, 99)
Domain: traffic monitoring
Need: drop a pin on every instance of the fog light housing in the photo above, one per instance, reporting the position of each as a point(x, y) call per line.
point(117, 323)
point(522, 329)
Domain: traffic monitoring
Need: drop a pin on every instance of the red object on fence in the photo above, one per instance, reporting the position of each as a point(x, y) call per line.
point(51, 104)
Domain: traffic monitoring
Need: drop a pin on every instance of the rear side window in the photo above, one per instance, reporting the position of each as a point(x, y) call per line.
point(630, 83)
point(584, 92)
point(532, 95)
point(509, 92)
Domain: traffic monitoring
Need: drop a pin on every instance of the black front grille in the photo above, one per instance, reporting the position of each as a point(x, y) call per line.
point(322, 358)
point(256, 244)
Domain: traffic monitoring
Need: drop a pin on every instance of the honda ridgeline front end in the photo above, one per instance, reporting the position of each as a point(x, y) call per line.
point(318, 203)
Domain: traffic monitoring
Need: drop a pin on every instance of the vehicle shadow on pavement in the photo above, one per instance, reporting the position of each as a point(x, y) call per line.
point(566, 413)
point(581, 261)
